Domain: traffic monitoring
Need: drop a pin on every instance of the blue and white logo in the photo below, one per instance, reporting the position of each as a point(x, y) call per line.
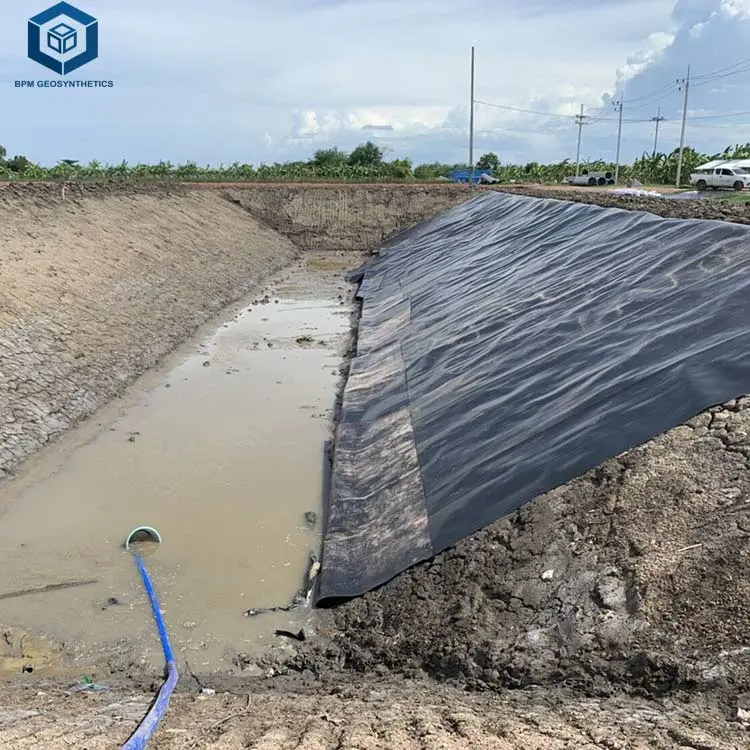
point(63, 38)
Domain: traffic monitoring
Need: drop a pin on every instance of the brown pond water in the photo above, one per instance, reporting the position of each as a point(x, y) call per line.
point(222, 452)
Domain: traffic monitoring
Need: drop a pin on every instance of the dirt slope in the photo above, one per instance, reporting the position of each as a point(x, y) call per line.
point(96, 285)
point(668, 207)
point(361, 217)
point(354, 218)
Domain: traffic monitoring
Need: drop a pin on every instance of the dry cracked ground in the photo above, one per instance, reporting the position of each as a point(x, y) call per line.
point(610, 613)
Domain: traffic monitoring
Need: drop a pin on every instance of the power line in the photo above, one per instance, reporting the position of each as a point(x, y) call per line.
point(648, 99)
point(730, 70)
point(640, 102)
point(655, 99)
point(708, 81)
point(667, 88)
point(550, 114)
point(673, 87)
point(606, 119)
point(625, 119)
point(718, 117)
point(527, 111)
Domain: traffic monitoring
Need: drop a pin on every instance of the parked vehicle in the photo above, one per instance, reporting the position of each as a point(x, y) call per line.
point(718, 175)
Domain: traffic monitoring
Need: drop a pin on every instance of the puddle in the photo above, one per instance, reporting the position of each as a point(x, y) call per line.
point(223, 454)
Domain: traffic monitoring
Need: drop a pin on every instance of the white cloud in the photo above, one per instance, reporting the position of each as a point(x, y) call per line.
point(646, 56)
point(736, 9)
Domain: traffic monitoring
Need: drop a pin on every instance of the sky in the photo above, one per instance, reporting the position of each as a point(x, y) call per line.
point(251, 82)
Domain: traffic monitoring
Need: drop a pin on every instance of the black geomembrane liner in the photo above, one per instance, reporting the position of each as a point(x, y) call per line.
point(508, 346)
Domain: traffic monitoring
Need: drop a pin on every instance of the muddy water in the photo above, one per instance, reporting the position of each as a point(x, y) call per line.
point(222, 452)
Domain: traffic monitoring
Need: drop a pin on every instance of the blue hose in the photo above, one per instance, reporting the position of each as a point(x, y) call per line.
point(146, 729)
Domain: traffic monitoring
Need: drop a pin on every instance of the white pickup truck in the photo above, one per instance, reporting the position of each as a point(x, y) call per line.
point(732, 177)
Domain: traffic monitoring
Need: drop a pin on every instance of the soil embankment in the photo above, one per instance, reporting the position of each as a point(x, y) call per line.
point(98, 283)
point(362, 217)
point(358, 218)
point(671, 208)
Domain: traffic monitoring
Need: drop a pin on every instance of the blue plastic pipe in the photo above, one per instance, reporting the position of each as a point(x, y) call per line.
point(147, 728)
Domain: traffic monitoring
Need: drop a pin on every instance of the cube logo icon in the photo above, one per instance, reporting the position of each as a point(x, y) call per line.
point(63, 38)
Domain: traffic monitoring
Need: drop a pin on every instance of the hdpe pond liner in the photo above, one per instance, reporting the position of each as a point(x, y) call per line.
point(510, 345)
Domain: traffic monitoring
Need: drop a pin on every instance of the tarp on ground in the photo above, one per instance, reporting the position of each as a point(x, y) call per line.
point(510, 345)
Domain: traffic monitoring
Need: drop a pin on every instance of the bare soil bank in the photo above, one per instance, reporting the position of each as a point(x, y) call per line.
point(356, 218)
point(362, 217)
point(668, 207)
point(97, 283)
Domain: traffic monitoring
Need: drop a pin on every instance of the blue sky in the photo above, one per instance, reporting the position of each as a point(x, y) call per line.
point(250, 81)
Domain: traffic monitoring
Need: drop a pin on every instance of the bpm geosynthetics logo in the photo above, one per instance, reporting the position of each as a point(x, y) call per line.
point(63, 38)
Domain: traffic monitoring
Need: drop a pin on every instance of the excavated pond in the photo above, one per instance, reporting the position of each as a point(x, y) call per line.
point(222, 450)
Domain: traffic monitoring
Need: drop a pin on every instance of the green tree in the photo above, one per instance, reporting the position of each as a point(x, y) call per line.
point(18, 164)
point(329, 158)
point(3, 152)
point(489, 161)
point(740, 151)
point(366, 154)
point(401, 169)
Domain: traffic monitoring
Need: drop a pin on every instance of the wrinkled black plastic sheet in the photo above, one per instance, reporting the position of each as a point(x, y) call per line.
point(508, 346)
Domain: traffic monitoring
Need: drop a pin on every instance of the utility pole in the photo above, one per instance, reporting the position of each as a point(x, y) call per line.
point(657, 120)
point(686, 85)
point(471, 123)
point(580, 121)
point(618, 106)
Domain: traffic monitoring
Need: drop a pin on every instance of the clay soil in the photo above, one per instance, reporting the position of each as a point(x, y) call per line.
point(610, 613)
point(365, 713)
